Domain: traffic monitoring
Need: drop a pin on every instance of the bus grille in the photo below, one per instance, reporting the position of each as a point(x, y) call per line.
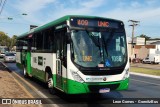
point(103, 72)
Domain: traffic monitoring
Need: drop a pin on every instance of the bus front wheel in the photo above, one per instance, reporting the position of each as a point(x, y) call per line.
point(50, 84)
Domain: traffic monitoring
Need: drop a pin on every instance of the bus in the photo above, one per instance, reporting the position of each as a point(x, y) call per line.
point(76, 54)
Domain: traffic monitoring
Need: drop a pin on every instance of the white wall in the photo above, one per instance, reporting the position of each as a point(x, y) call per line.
point(157, 49)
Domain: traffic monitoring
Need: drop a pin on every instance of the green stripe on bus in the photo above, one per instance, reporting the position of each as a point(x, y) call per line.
point(74, 87)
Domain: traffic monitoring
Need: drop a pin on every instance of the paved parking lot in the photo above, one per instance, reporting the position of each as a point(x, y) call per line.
point(149, 66)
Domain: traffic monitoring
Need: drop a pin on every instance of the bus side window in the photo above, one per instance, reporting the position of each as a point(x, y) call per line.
point(33, 47)
point(48, 41)
point(30, 44)
point(39, 41)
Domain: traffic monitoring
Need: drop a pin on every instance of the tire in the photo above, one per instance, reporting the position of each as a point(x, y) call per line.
point(25, 74)
point(50, 84)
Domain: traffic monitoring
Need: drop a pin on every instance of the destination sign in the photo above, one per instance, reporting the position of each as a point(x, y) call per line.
point(86, 22)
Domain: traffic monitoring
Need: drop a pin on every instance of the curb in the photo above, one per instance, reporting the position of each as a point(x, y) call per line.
point(6, 67)
point(145, 75)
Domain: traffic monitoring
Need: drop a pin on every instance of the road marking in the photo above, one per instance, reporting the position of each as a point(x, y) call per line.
point(145, 82)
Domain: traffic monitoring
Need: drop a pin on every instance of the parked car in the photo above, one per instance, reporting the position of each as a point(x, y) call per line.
point(14, 52)
point(136, 60)
point(9, 57)
point(3, 50)
point(2, 55)
point(152, 59)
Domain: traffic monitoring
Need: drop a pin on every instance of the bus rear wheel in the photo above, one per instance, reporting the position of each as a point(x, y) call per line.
point(25, 74)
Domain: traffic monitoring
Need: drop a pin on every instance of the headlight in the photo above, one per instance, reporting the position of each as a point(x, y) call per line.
point(76, 76)
point(126, 75)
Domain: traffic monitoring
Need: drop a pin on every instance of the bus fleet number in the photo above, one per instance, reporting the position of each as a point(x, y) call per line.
point(82, 22)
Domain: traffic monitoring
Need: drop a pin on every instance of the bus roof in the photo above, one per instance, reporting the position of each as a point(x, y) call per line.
point(58, 21)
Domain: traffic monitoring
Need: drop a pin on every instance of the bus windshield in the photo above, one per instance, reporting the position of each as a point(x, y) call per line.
point(99, 49)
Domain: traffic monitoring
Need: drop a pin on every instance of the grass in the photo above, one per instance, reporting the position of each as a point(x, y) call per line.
point(145, 71)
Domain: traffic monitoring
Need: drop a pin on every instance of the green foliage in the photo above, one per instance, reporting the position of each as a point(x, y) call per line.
point(13, 40)
point(5, 40)
point(155, 39)
point(145, 71)
point(144, 36)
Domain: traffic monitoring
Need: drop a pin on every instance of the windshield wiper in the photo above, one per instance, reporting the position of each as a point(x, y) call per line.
point(105, 46)
point(93, 39)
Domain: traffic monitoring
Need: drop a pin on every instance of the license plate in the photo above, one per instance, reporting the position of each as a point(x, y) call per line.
point(104, 90)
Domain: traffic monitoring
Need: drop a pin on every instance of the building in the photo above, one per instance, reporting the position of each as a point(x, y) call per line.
point(152, 41)
point(157, 47)
point(131, 46)
point(139, 41)
point(142, 51)
point(139, 50)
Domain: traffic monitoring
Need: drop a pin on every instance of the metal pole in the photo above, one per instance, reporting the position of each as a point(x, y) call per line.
point(134, 23)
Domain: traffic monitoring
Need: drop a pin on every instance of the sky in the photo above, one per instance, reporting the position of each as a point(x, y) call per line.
point(40, 12)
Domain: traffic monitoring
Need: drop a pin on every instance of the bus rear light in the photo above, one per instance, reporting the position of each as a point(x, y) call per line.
point(76, 76)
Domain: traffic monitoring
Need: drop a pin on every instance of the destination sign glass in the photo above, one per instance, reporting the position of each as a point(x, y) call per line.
point(86, 22)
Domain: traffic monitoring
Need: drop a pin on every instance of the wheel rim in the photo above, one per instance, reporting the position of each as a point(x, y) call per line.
point(50, 83)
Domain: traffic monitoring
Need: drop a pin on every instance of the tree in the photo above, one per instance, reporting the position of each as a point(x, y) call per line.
point(13, 41)
point(4, 39)
point(144, 36)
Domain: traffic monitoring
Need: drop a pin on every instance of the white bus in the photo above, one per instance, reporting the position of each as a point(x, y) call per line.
point(76, 54)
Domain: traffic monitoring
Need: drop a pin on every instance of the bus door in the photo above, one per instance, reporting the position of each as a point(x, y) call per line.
point(28, 55)
point(60, 53)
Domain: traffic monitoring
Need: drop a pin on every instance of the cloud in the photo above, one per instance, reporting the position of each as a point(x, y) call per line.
point(92, 3)
point(74, 7)
point(48, 10)
point(135, 4)
point(43, 11)
point(147, 14)
point(32, 6)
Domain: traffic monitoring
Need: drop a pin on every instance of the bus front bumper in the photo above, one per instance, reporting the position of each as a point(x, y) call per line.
point(74, 87)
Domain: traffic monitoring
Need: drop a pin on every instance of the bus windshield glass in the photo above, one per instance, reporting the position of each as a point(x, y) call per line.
point(99, 49)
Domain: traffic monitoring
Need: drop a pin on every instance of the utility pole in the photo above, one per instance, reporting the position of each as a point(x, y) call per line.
point(134, 23)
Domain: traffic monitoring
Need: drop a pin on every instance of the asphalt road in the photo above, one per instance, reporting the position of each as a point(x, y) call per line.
point(140, 87)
